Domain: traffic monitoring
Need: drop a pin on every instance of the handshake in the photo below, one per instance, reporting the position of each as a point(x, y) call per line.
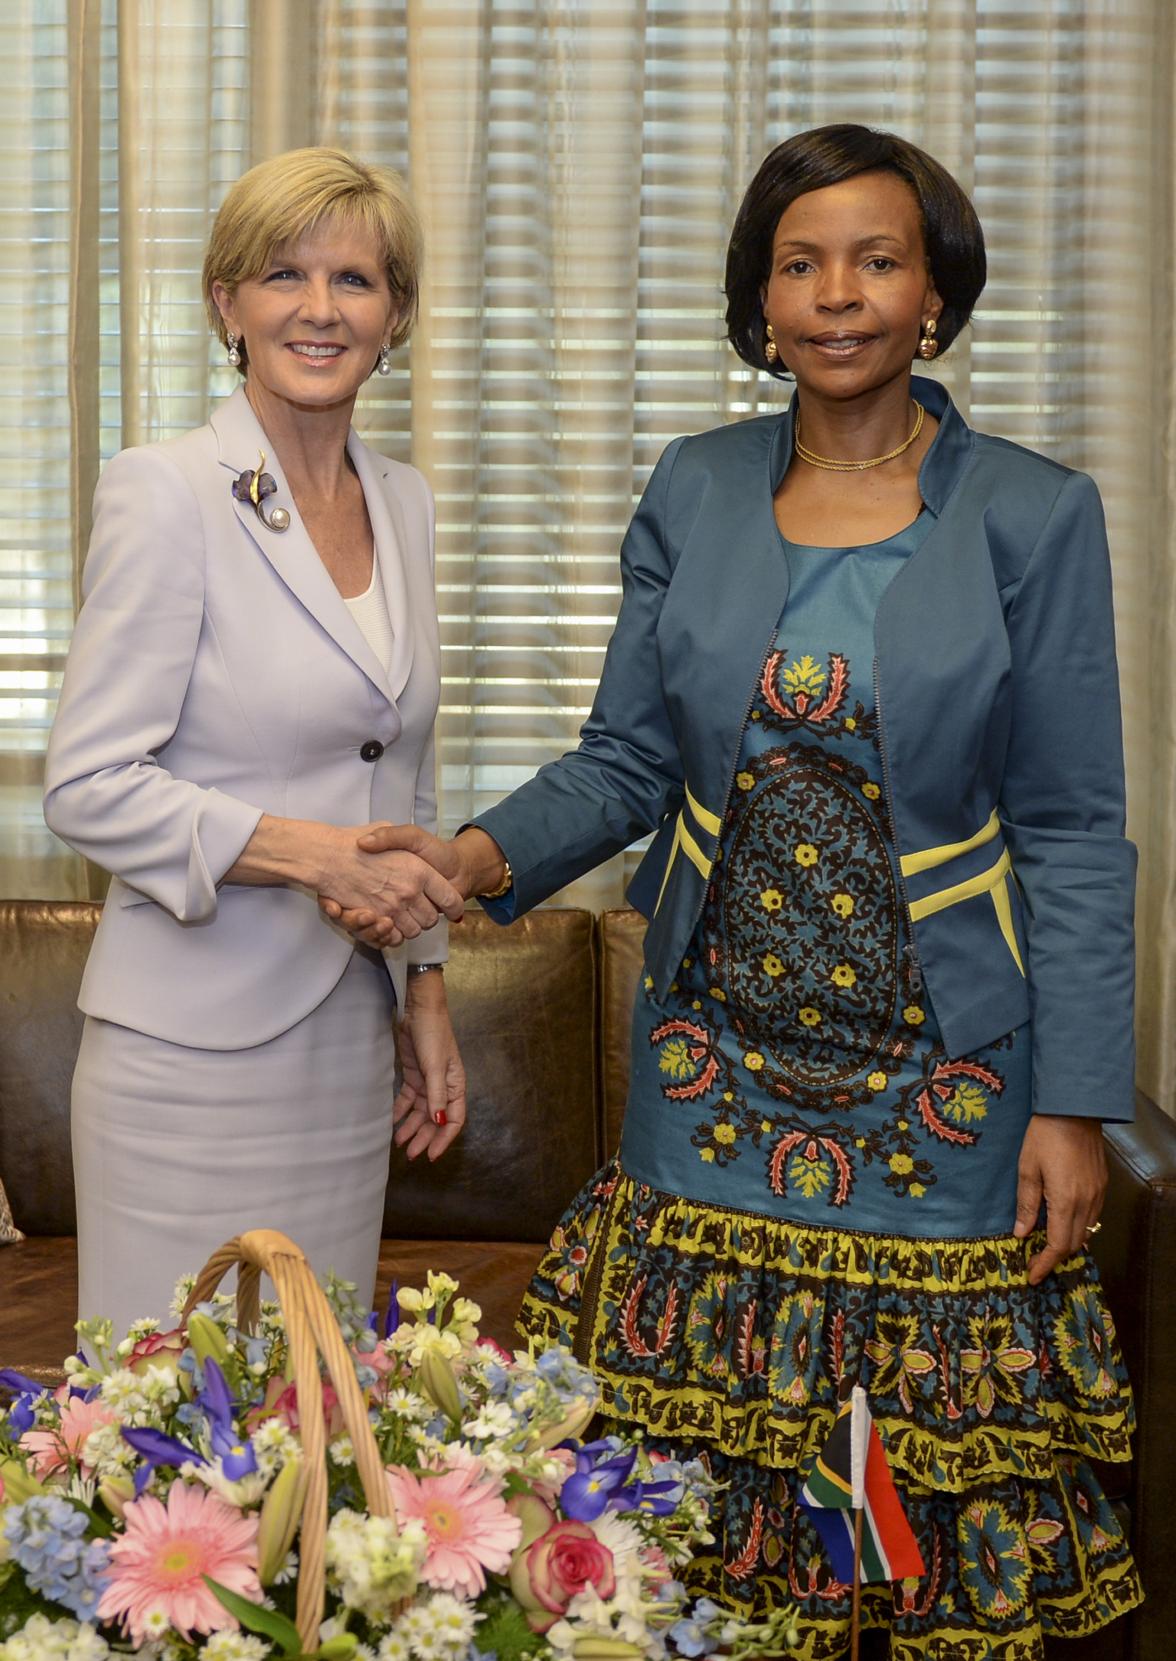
point(389, 883)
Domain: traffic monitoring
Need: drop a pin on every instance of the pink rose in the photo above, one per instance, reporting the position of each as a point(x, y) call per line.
point(546, 1575)
point(281, 1402)
point(158, 1349)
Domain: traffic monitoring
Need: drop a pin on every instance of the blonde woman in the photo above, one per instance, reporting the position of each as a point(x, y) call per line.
point(254, 675)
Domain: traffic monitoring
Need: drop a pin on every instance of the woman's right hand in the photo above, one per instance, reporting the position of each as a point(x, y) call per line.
point(472, 863)
point(396, 887)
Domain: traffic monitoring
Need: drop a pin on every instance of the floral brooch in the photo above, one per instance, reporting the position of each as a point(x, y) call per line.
point(254, 486)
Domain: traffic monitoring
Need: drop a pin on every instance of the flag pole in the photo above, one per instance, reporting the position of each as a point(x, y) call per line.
point(855, 1627)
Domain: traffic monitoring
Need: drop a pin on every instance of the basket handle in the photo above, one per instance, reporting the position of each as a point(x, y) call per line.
point(311, 1330)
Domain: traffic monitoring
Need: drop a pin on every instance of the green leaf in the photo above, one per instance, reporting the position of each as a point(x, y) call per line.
point(254, 1618)
point(101, 1527)
point(505, 1633)
point(18, 1602)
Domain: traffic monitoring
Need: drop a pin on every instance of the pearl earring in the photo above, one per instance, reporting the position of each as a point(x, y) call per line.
point(234, 354)
point(384, 367)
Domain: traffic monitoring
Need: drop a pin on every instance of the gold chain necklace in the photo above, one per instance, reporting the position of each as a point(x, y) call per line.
point(832, 465)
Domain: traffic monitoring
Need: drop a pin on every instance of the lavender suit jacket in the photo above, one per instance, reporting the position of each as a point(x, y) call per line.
point(216, 674)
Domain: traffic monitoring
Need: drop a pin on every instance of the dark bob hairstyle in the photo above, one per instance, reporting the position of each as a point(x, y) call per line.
point(827, 156)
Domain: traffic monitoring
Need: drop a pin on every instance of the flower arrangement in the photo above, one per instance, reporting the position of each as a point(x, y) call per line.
point(151, 1505)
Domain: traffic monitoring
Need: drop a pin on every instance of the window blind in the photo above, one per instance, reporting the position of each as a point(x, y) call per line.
point(577, 166)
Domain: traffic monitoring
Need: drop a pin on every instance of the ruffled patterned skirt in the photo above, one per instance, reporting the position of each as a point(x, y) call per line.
point(731, 1336)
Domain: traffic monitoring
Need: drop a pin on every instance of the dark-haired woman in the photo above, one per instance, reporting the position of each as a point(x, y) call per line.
point(863, 686)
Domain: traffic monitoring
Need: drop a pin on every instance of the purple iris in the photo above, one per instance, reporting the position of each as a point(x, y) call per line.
point(392, 1313)
point(657, 1498)
point(20, 1383)
point(234, 1452)
point(598, 1479)
point(158, 1449)
point(600, 1482)
point(27, 1391)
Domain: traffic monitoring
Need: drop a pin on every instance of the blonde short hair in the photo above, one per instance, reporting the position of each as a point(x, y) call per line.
point(281, 199)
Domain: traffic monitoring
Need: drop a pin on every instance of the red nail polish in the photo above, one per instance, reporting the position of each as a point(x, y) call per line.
point(441, 1118)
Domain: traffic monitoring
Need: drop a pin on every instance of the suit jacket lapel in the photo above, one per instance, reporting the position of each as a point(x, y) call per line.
point(390, 537)
point(291, 553)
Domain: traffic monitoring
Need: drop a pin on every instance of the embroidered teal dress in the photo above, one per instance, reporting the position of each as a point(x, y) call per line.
point(810, 1193)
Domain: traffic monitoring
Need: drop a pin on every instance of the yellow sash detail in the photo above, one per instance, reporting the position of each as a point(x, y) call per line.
point(928, 858)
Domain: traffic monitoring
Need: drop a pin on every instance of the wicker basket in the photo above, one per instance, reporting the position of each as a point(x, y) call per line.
point(311, 1331)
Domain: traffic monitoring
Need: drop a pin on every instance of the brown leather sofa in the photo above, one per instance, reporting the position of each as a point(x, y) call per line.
point(542, 1016)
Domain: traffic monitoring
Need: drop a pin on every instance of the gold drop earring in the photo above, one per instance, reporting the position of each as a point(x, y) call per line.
point(928, 345)
point(771, 350)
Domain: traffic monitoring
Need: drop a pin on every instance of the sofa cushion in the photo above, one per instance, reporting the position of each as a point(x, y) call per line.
point(9, 1233)
point(45, 948)
point(622, 935)
point(523, 1002)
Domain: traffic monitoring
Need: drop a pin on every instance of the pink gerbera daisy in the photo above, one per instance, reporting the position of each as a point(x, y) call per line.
point(467, 1525)
point(51, 1450)
point(157, 1564)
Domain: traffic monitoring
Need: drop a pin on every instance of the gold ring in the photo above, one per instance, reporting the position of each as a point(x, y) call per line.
point(1093, 1228)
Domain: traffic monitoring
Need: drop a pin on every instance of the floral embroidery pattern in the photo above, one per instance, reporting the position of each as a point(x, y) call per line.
point(735, 1335)
point(803, 694)
point(799, 842)
point(687, 1057)
point(1085, 1336)
point(797, 1012)
point(812, 1164)
point(994, 1560)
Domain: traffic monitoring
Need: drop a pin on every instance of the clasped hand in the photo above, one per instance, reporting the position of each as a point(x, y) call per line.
point(420, 880)
point(386, 884)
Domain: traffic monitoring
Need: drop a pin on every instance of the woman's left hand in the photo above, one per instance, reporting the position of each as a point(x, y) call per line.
point(430, 1108)
point(1063, 1163)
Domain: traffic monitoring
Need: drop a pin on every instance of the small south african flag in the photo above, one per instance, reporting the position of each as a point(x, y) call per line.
point(849, 1474)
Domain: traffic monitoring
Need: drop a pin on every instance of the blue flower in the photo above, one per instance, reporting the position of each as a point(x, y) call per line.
point(22, 1413)
point(993, 1559)
point(658, 1497)
point(256, 1352)
point(596, 1482)
point(689, 1638)
point(235, 1453)
point(600, 1482)
point(46, 1536)
point(693, 1634)
point(157, 1449)
point(559, 1368)
point(497, 1378)
point(19, 1383)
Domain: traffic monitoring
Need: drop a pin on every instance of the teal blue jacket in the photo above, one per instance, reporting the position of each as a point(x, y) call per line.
point(1000, 730)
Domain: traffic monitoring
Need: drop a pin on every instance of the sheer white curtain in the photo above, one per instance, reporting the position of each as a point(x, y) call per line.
point(578, 166)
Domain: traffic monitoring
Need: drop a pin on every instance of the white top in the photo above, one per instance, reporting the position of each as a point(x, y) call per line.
point(370, 610)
